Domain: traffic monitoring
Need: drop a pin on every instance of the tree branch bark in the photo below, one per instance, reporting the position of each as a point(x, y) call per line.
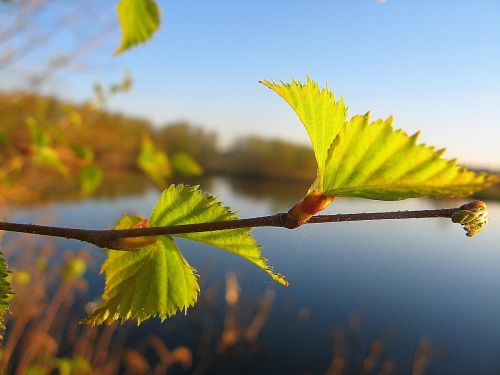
point(111, 238)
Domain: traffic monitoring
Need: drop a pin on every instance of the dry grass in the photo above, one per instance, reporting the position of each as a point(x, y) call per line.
point(44, 336)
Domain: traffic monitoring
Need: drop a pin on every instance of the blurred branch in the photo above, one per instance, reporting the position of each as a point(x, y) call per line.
point(111, 238)
point(35, 30)
point(24, 9)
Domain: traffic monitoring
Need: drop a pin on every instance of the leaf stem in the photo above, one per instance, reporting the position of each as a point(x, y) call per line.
point(110, 238)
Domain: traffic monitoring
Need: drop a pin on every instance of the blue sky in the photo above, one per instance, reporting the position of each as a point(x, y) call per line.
point(434, 65)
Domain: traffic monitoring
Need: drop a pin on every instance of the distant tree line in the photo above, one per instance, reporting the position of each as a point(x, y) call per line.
point(115, 142)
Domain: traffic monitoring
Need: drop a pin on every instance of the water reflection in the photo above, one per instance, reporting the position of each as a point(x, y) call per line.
point(423, 288)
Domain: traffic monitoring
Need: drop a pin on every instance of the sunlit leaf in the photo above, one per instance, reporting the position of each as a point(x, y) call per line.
point(369, 160)
point(91, 178)
point(372, 160)
point(156, 280)
point(5, 293)
point(73, 365)
point(75, 118)
point(322, 116)
point(64, 365)
point(154, 162)
point(84, 153)
point(48, 156)
point(139, 19)
point(124, 86)
point(74, 267)
point(153, 281)
point(186, 165)
point(12, 166)
point(39, 136)
point(42, 151)
point(21, 277)
point(188, 205)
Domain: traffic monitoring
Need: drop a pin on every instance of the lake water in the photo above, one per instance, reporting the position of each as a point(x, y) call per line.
point(411, 281)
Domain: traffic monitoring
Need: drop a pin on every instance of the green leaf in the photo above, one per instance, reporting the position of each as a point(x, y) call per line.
point(65, 366)
point(321, 115)
point(139, 19)
point(75, 365)
point(188, 205)
point(154, 162)
point(372, 160)
point(42, 151)
point(156, 280)
point(91, 178)
point(39, 136)
point(153, 281)
point(84, 153)
point(186, 165)
point(48, 156)
point(5, 292)
point(21, 277)
point(74, 267)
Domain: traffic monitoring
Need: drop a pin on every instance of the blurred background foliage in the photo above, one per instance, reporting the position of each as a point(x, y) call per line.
point(55, 149)
point(63, 138)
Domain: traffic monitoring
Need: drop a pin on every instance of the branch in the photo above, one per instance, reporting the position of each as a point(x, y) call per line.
point(111, 238)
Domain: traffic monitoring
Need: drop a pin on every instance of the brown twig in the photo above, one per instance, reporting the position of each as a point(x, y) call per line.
point(111, 238)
